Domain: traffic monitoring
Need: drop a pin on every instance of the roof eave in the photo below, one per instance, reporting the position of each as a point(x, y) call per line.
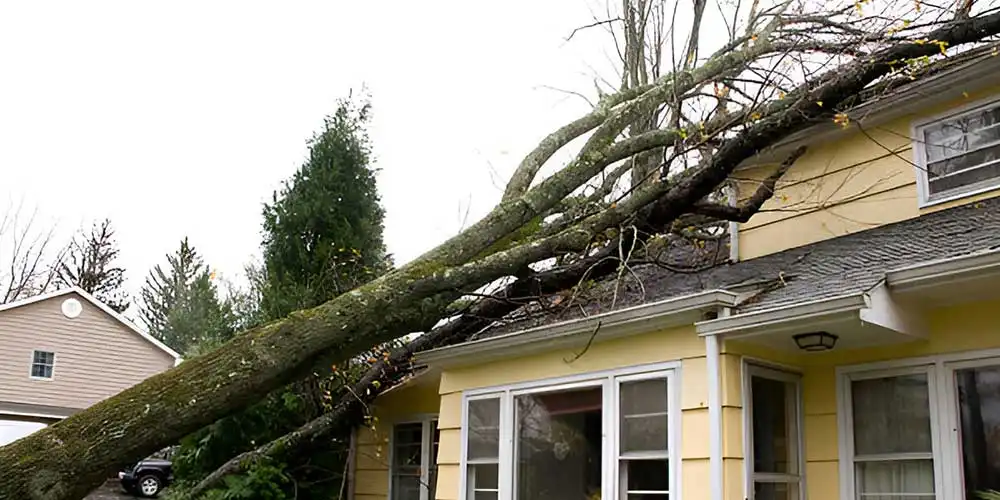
point(978, 265)
point(100, 305)
point(615, 324)
point(834, 306)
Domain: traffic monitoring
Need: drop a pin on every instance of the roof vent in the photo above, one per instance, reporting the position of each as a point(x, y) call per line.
point(71, 308)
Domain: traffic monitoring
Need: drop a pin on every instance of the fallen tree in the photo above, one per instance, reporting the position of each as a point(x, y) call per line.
point(569, 216)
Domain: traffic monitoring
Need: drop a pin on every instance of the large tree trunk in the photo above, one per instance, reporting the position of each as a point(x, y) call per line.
point(68, 459)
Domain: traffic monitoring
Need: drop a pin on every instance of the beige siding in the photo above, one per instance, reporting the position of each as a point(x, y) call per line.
point(96, 355)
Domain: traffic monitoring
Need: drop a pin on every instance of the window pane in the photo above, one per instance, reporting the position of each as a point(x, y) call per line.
point(483, 477)
point(644, 416)
point(646, 475)
point(910, 479)
point(406, 447)
point(775, 491)
point(406, 487)
point(979, 417)
point(558, 444)
point(484, 429)
point(648, 496)
point(775, 433)
point(485, 495)
point(891, 415)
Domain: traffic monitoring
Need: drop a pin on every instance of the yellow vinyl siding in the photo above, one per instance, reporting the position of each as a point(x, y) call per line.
point(371, 469)
point(861, 179)
point(951, 329)
point(681, 344)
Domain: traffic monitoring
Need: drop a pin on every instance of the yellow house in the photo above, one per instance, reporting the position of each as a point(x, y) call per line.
point(849, 350)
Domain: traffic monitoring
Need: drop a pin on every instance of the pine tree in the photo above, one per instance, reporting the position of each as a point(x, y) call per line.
point(90, 265)
point(180, 305)
point(323, 230)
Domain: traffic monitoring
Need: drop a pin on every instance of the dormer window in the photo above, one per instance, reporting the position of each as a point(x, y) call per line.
point(958, 154)
point(43, 363)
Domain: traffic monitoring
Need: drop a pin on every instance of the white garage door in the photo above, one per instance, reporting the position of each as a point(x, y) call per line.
point(12, 430)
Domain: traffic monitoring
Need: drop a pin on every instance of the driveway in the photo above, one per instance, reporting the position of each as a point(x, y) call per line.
point(110, 491)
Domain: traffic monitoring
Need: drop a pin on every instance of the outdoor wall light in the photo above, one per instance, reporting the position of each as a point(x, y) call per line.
point(815, 341)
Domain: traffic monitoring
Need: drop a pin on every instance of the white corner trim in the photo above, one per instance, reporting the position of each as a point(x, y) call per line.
point(613, 324)
point(100, 305)
point(941, 271)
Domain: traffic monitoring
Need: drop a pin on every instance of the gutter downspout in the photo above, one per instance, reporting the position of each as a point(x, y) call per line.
point(734, 227)
point(712, 356)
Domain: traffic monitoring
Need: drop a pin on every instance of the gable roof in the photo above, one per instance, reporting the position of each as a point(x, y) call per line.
point(835, 267)
point(100, 305)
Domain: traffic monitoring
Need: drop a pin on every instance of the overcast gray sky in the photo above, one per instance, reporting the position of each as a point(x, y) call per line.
point(180, 118)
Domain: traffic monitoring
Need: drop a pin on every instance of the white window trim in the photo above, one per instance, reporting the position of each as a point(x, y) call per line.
point(608, 380)
point(753, 368)
point(920, 158)
point(31, 365)
point(426, 447)
point(949, 477)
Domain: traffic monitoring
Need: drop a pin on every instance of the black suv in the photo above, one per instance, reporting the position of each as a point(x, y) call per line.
point(148, 477)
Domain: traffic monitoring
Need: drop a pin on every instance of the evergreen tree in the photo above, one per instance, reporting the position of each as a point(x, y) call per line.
point(322, 237)
point(323, 229)
point(180, 305)
point(90, 265)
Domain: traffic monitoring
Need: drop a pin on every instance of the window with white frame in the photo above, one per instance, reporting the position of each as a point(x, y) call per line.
point(923, 429)
point(600, 437)
point(772, 412)
point(959, 154)
point(892, 443)
point(413, 470)
point(42, 364)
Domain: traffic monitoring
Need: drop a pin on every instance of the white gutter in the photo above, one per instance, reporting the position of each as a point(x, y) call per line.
point(782, 314)
point(714, 417)
point(614, 324)
point(973, 266)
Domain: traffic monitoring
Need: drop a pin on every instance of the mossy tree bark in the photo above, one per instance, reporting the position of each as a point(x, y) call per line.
point(68, 459)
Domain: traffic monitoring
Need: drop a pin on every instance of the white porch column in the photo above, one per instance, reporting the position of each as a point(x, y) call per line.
point(714, 417)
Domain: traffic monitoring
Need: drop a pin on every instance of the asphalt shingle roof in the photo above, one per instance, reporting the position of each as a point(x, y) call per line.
point(829, 268)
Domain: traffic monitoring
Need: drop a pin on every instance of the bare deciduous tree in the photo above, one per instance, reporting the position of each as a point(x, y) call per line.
point(30, 259)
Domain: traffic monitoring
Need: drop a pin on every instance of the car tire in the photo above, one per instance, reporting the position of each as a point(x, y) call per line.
point(149, 485)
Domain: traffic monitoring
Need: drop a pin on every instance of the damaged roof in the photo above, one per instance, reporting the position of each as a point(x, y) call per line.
point(834, 267)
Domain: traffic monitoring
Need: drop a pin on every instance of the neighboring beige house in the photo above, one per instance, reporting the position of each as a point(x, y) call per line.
point(63, 351)
point(849, 351)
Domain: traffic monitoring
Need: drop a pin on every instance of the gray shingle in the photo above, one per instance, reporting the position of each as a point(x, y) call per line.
point(838, 266)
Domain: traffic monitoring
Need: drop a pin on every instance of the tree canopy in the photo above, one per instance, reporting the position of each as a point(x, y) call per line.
point(90, 264)
point(180, 305)
point(323, 229)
